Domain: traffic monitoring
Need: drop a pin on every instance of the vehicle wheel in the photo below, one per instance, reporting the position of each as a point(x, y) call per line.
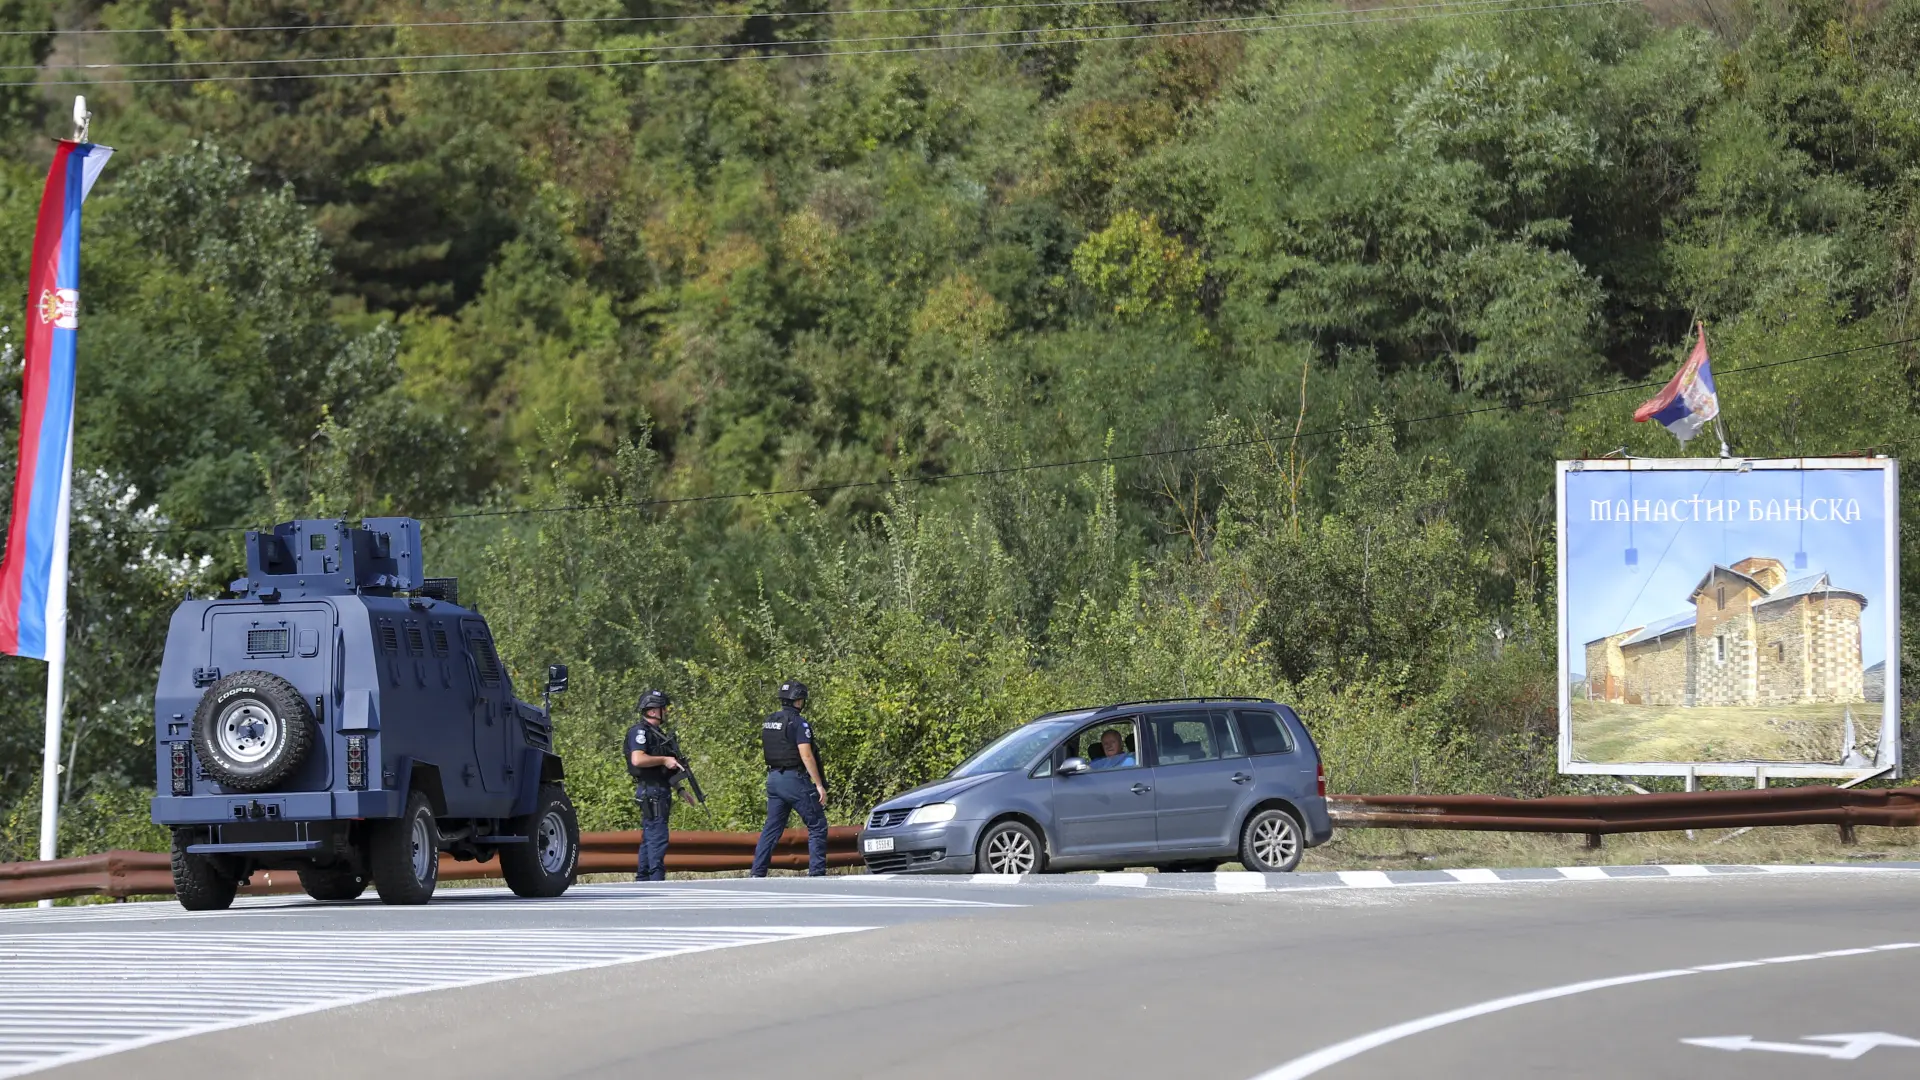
point(252, 730)
point(1204, 866)
point(1271, 842)
point(1010, 848)
point(404, 854)
point(546, 864)
point(198, 880)
point(338, 882)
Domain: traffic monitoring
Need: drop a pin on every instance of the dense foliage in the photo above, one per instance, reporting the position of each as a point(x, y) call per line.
point(616, 290)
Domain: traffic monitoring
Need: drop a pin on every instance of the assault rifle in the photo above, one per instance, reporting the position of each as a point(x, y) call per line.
point(684, 774)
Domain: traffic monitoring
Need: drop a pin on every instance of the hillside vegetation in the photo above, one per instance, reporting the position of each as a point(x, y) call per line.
point(1386, 273)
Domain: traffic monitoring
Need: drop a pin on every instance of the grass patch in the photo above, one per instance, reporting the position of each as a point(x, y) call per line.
point(1408, 849)
point(1607, 732)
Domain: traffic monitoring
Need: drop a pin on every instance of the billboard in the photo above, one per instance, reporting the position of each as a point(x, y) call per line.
point(1729, 617)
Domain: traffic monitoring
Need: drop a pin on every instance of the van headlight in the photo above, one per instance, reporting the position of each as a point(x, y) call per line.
point(932, 814)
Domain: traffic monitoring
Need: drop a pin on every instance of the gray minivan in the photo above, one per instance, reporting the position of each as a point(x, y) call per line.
point(1182, 784)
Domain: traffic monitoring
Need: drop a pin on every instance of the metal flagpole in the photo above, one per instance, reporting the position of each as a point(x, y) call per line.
point(57, 620)
point(56, 666)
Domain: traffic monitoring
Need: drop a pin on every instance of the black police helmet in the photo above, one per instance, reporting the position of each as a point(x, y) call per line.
point(793, 690)
point(654, 699)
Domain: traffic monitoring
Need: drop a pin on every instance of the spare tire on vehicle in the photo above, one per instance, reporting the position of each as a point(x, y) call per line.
point(252, 730)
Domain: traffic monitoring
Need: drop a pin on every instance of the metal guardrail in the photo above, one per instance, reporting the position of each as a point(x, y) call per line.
point(1602, 814)
point(120, 874)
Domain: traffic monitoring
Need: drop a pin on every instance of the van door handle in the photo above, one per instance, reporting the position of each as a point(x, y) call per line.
point(1141, 789)
point(1242, 778)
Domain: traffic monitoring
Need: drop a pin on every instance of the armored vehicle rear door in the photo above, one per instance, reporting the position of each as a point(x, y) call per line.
point(493, 728)
point(292, 640)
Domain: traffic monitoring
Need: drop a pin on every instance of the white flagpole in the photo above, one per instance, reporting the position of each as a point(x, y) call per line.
point(57, 620)
point(56, 666)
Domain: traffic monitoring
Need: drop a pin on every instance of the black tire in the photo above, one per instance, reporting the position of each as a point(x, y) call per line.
point(1010, 848)
point(1272, 842)
point(338, 882)
point(547, 863)
point(200, 882)
point(252, 730)
point(404, 854)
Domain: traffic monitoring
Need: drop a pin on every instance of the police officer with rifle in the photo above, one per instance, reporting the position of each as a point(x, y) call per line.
point(658, 769)
point(794, 781)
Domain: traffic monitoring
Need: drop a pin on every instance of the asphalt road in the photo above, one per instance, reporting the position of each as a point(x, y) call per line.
point(850, 978)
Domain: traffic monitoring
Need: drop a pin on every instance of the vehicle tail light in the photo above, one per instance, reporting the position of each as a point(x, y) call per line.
point(182, 782)
point(356, 763)
point(1320, 778)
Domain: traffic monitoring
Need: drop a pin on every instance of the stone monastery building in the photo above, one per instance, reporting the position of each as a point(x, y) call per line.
point(1751, 638)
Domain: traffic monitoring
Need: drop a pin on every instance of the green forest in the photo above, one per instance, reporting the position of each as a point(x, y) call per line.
point(966, 361)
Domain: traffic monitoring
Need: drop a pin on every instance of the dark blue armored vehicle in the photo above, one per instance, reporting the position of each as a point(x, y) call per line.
point(344, 717)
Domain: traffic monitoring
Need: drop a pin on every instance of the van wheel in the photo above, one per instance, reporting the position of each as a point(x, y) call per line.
point(1271, 842)
point(197, 879)
point(252, 730)
point(546, 864)
point(1010, 848)
point(338, 882)
point(404, 854)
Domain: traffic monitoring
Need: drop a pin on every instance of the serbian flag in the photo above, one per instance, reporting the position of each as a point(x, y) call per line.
point(29, 595)
point(1688, 402)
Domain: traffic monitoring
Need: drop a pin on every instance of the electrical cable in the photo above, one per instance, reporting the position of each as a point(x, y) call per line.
point(580, 20)
point(1344, 21)
point(1105, 459)
point(1449, 6)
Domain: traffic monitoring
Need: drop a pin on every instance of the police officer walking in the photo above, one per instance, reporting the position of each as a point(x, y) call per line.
point(794, 781)
point(651, 768)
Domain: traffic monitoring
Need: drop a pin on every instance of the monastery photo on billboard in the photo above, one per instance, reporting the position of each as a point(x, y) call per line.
point(1749, 636)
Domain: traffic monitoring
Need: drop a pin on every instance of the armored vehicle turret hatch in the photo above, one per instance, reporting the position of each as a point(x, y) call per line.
point(343, 716)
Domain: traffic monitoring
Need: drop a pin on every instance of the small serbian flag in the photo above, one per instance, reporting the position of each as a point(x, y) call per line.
point(1688, 402)
point(41, 491)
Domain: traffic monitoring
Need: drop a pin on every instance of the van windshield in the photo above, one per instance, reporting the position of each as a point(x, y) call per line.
point(1017, 748)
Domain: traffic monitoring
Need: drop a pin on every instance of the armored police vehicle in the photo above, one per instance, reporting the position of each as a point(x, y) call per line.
point(345, 718)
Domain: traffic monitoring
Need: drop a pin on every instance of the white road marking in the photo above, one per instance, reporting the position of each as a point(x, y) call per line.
point(1320, 1059)
point(1239, 882)
point(1848, 1046)
point(1129, 881)
point(1474, 876)
point(1365, 879)
point(1584, 873)
point(71, 996)
point(1688, 871)
point(638, 897)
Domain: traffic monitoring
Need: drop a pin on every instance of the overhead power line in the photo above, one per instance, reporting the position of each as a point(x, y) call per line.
point(596, 20)
point(1108, 459)
point(1461, 6)
point(1355, 18)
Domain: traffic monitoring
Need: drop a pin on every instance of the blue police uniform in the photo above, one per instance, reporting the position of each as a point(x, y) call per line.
point(789, 788)
point(655, 797)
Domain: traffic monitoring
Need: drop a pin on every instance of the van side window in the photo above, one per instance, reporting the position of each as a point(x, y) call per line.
point(1229, 739)
point(1182, 737)
point(1089, 743)
point(1263, 732)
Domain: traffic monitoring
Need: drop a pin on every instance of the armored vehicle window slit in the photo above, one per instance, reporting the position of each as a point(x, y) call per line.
point(440, 646)
point(489, 660)
point(389, 638)
point(416, 643)
point(266, 642)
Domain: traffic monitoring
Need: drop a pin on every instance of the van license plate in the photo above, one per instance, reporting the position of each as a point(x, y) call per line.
point(885, 843)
